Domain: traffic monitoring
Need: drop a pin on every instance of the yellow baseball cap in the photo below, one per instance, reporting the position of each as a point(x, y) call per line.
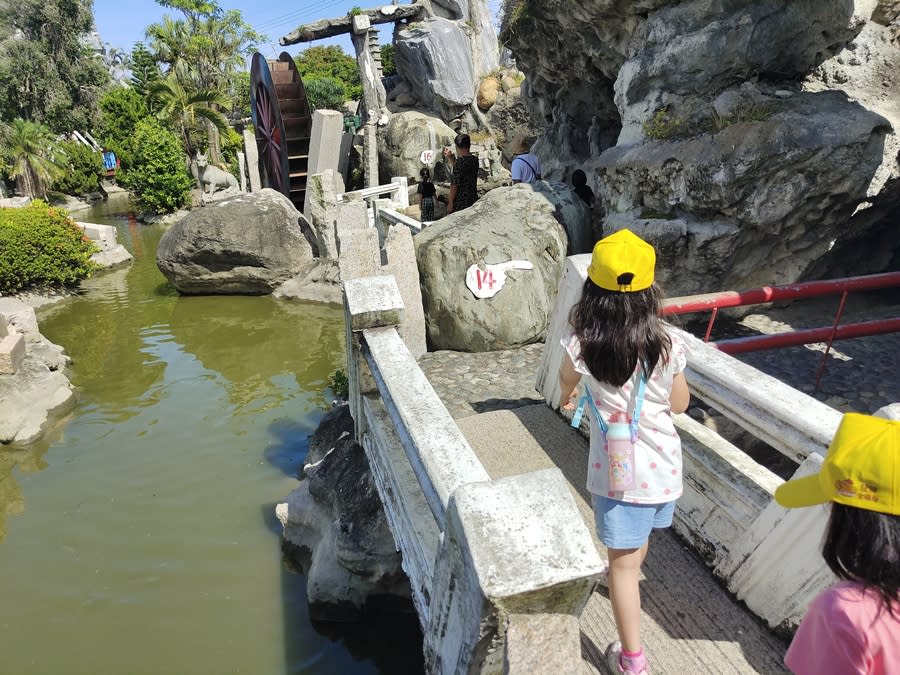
point(622, 262)
point(861, 469)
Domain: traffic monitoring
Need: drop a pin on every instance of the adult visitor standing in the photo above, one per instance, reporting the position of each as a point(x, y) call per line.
point(463, 185)
point(525, 167)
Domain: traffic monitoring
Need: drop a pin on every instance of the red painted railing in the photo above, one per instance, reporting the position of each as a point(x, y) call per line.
point(714, 301)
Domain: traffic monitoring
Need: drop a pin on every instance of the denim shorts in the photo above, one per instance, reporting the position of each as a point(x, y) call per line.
point(623, 525)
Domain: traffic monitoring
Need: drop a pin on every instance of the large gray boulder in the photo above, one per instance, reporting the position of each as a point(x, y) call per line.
point(335, 529)
point(244, 245)
point(509, 223)
point(401, 142)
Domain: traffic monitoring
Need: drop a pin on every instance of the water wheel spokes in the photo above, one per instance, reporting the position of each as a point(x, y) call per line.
point(283, 123)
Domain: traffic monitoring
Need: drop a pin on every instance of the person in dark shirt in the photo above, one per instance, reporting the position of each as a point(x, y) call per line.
point(426, 190)
point(579, 182)
point(463, 186)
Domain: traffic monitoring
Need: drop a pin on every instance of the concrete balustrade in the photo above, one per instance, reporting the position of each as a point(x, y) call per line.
point(764, 553)
point(477, 552)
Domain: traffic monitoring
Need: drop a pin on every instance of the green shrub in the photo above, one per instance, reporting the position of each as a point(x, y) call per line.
point(84, 171)
point(743, 112)
point(661, 126)
point(325, 93)
point(41, 246)
point(340, 385)
point(158, 176)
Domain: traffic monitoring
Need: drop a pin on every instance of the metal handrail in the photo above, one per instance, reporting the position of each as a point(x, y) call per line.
point(810, 289)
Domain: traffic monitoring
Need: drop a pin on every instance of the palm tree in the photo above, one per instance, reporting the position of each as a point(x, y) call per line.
point(34, 156)
point(184, 107)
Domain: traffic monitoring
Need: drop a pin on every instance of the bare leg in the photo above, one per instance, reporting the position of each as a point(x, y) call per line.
point(625, 595)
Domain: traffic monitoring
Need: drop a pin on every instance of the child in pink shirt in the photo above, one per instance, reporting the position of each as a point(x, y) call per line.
point(854, 626)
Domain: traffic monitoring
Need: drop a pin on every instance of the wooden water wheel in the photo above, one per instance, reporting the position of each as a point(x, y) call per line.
point(283, 124)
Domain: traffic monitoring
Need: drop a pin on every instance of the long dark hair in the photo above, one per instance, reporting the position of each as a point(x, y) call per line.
point(864, 546)
point(619, 330)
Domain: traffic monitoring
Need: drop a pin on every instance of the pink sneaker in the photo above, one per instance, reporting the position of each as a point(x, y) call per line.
point(613, 664)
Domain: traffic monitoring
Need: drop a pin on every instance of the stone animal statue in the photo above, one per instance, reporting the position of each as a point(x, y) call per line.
point(211, 178)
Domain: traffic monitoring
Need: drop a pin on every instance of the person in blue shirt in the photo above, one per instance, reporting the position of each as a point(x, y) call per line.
point(525, 167)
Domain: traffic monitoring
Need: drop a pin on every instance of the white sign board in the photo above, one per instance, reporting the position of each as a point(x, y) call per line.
point(487, 283)
point(427, 157)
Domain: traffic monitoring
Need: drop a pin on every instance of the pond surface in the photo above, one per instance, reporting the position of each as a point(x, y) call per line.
point(140, 536)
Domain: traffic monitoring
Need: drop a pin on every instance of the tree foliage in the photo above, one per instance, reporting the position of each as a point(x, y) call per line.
point(388, 67)
point(333, 62)
point(144, 72)
point(34, 156)
point(184, 108)
point(83, 172)
point(325, 93)
point(41, 246)
point(158, 175)
point(121, 108)
point(47, 74)
point(201, 52)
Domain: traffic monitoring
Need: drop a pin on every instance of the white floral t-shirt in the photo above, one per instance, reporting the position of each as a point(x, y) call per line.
point(657, 452)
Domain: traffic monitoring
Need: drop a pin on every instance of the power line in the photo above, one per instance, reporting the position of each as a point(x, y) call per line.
point(310, 10)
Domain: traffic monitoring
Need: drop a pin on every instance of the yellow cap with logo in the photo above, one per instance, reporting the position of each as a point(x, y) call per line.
point(861, 469)
point(622, 262)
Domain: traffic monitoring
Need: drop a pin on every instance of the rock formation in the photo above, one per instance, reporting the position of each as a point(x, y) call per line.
point(716, 134)
point(38, 391)
point(247, 244)
point(443, 57)
point(335, 529)
point(521, 222)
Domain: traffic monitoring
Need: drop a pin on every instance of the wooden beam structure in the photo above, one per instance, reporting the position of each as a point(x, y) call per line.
point(324, 28)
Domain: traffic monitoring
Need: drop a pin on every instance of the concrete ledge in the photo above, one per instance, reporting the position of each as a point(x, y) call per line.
point(373, 302)
point(114, 257)
point(12, 353)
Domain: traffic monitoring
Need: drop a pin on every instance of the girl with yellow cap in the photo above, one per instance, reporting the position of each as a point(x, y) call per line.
point(632, 366)
point(854, 626)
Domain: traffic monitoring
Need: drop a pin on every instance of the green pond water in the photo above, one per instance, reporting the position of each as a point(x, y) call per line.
point(140, 536)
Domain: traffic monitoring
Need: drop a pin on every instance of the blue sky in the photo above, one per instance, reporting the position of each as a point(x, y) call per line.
point(121, 23)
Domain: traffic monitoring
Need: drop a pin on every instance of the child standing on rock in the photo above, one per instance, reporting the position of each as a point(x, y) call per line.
point(632, 366)
point(426, 190)
point(854, 626)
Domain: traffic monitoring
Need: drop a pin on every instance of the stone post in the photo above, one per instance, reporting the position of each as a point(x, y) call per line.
point(402, 197)
point(252, 161)
point(240, 161)
point(370, 155)
point(324, 148)
point(374, 96)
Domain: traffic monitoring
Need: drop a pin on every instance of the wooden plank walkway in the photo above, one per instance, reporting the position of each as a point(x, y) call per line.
point(690, 622)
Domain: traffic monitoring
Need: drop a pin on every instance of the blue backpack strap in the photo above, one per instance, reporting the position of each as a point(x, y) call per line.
point(588, 398)
point(638, 403)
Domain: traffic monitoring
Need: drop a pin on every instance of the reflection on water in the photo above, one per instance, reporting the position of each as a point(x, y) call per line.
point(141, 538)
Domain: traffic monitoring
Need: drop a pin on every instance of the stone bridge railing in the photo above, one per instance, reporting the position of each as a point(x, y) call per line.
point(765, 554)
point(488, 561)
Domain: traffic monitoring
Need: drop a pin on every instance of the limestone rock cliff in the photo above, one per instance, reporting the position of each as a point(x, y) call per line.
point(751, 140)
